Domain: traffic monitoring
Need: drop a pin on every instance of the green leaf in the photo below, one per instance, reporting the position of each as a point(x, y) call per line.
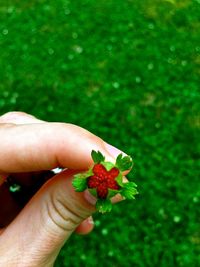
point(79, 183)
point(124, 163)
point(119, 179)
point(103, 205)
point(108, 165)
point(80, 180)
point(97, 156)
point(129, 191)
point(84, 175)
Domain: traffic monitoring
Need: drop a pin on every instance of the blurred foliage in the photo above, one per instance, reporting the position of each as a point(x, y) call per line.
point(129, 72)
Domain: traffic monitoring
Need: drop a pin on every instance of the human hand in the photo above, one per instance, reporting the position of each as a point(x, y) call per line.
point(29, 149)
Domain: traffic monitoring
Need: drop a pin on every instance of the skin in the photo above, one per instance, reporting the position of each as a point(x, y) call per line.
point(33, 234)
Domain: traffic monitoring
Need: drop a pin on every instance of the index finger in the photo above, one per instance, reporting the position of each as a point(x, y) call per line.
point(44, 146)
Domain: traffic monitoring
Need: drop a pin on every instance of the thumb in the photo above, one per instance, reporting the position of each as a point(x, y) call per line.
point(46, 222)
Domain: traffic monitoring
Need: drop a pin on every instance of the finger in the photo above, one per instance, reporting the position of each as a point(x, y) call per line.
point(34, 147)
point(50, 217)
point(28, 134)
point(86, 226)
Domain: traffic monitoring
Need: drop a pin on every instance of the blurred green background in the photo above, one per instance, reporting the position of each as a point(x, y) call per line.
point(127, 70)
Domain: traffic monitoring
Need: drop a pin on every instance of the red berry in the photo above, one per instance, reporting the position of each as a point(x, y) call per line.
point(102, 190)
point(93, 181)
point(102, 180)
point(99, 170)
point(114, 172)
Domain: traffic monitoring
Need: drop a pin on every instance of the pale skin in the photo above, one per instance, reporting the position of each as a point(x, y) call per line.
point(38, 232)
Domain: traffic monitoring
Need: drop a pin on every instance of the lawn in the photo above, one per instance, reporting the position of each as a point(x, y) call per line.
point(128, 71)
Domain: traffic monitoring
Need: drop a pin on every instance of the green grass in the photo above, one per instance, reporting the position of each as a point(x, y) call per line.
point(129, 72)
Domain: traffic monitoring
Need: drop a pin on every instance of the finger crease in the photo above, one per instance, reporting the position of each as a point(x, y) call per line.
point(51, 216)
point(67, 220)
point(71, 211)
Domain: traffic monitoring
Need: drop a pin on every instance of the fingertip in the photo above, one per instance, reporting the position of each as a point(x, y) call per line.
point(86, 226)
point(113, 151)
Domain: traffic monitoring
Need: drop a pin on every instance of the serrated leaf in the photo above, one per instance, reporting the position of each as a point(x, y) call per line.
point(129, 191)
point(119, 179)
point(79, 184)
point(108, 165)
point(97, 156)
point(119, 157)
point(133, 184)
point(103, 205)
point(124, 163)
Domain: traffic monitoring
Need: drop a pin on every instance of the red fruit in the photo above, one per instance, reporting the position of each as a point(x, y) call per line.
point(102, 180)
point(102, 190)
point(99, 170)
point(114, 172)
point(93, 181)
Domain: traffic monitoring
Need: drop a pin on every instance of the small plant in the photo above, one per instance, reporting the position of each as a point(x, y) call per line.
point(105, 179)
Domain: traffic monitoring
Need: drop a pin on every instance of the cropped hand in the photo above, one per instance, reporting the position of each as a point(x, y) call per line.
point(32, 236)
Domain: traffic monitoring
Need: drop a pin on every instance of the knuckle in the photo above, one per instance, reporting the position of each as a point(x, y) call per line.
point(13, 114)
point(17, 117)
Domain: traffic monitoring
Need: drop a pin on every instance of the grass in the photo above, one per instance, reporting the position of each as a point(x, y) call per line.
point(129, 72)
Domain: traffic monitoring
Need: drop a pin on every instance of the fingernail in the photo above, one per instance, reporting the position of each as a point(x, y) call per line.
point(117, 198)
point(113, 151)
point(90, 198)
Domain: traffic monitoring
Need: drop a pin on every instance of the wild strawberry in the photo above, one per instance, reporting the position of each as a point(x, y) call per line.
point(105, 179)
point(99, 170)
point(102, 191)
